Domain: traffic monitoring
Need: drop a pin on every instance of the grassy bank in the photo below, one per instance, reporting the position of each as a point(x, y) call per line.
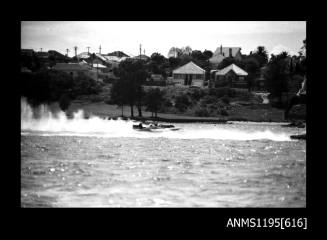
point(256, 113)
point(241, 106)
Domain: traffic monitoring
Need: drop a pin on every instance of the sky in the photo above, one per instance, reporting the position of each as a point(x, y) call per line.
point(160, 36)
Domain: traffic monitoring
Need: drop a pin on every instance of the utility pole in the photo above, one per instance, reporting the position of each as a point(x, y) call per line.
point(75, 48)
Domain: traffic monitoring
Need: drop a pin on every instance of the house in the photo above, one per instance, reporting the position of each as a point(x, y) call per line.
point(78, 69)
point(27, 52)
point(189, 74)
point(231, 75)
point(42, 55)
point(156, 77)
point(142, 57)
point(118, 54)
point(74, 69)
point(223, 52)
point(82, 68)
point(83, 56)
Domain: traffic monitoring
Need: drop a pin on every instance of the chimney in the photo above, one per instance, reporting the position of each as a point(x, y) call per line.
point(221, 49)
point(230, 52)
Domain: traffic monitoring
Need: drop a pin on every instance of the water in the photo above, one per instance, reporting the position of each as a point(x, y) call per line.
point(101, 163)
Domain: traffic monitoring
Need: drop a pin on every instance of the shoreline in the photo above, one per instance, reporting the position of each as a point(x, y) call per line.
point(240, 114)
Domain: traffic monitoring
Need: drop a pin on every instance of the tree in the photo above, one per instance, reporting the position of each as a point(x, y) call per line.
point(252, 66)
point(230, 60)
point(174, 62)
point(182, 102)
point(153, 100)
point(132, 73)
point(261, 55)
point(157, 58)
point(277, 75)
point(208, 54)
point(118, 94)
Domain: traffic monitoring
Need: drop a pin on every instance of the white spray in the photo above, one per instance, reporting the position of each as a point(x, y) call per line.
point(53, 124)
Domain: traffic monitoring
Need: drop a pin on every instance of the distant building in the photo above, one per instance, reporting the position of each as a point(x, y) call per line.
point(73, 69)
point(42, 55)
point(78, 69)
point(231, 75)
point(222, 52)
point(83, 56)
point(156, 77)
point(27, 52)
point(118, 54)
point(142, 57)
point(189, 74)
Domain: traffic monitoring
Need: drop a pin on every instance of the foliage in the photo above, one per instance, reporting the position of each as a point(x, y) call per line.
point(46, 86)
point(64, 102)
point(132, 74)
point(84, 85)
point(225, 99)
point(222, 91)
point(261, 56)
point(277, 75)
point(201, 112)
point(154, 99)
point(208, 54)
point(182, 102)
point(196, 93)
point(230, 60)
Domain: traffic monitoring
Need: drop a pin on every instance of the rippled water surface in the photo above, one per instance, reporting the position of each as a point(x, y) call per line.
point(202, 165)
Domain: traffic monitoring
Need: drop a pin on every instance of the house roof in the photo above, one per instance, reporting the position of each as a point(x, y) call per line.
point(111, 58)
point(101, 57)
point(142, 56)
point(216, 58)
point(189, 68)
point(237, 70)
point(84, 55)
point(70, 67)
point(225, 51)
point(118, 54)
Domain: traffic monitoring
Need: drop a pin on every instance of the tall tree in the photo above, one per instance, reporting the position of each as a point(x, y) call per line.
point(153, 100)
point(261, 55)
point(118, 94)
point(252, 67)
point(132, 73)
point(208, 54)
point(277, 74)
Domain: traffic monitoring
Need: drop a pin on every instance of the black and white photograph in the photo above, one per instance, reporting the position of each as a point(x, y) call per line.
point(163, 114)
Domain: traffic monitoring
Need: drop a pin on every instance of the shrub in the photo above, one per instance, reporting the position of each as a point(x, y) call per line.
point(196, 94)
point(224, 112)
point(182, 102)
point(201, 112)
point(225, 99)
point(222, 91)
point(96, 98)
point(208, 100)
